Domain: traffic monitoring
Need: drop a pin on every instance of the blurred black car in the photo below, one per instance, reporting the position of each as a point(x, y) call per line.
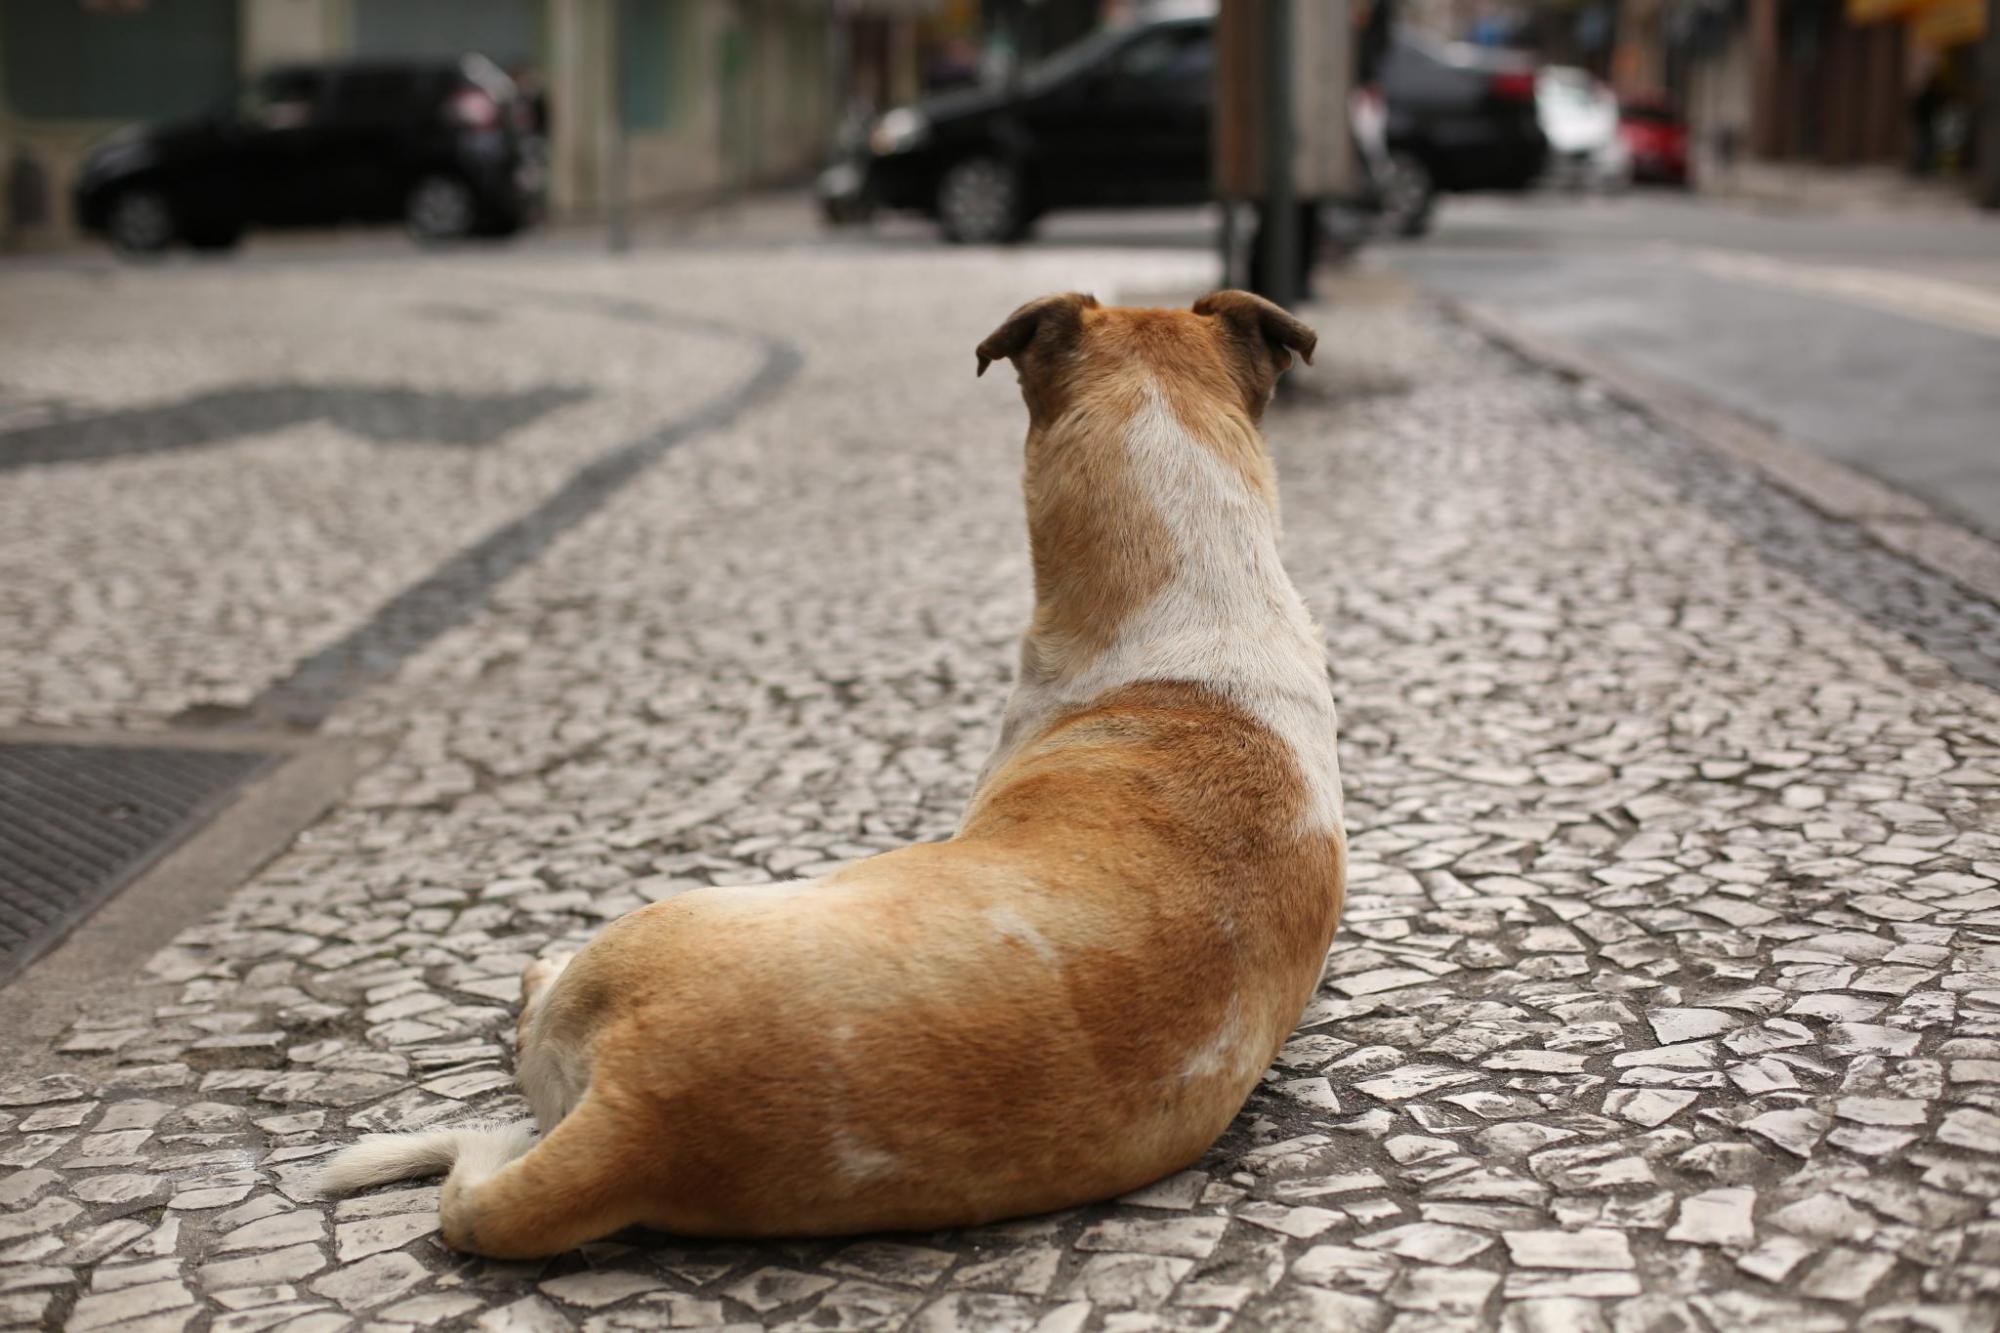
point(1460, 118)
point(1122, 119)
point(445, 146)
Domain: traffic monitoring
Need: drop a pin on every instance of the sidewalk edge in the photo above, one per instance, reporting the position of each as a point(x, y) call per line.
point(1898, 521)
point(107, 951)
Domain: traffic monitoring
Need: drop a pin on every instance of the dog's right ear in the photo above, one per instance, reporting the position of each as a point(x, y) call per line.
point(1041, 322)
point(1262, 323)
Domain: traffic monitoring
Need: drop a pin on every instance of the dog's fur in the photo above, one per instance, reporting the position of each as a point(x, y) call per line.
point(1067, 1000)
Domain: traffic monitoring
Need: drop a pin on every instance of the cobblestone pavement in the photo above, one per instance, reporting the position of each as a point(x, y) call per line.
point(1668, 992)
point(358, 433)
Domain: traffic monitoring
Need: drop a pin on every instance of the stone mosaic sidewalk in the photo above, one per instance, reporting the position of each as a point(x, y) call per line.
point(1667, 996)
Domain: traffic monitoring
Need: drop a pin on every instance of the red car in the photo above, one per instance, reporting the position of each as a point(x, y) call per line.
point(1657, 138)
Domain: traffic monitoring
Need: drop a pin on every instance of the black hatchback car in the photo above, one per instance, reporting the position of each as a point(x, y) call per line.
point(1122, 119)
point(449, 147)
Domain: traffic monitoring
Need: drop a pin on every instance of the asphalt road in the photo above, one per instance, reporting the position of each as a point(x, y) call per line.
point(1874, 339)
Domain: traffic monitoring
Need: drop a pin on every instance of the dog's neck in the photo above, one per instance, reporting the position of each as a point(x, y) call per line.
point(1155, 547)
point(1125, 505)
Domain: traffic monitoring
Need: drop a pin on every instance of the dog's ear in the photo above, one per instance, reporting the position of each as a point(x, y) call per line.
point(1048, 319)
point(1262, 324)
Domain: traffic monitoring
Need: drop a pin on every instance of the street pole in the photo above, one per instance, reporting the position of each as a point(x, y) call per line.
point(1989, 111)
point(618, 229)
point(1281, 213)
point(1232, 275)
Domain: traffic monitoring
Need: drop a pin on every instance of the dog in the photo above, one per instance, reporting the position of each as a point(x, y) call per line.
point(1073, 996)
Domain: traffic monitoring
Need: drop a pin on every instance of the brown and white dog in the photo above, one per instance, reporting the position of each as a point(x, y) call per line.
point(1073, 996)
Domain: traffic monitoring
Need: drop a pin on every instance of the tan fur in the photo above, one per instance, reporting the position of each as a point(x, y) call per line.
point(1069, 999)
point(1099, 553)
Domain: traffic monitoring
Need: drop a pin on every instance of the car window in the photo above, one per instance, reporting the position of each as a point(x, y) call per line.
point(1412, 72)
point(1171, 53)
point(1073, 59)
point(283, 98)
point(1418, 72)
point(1169, 64)
point(1566, 89)
point(377, 95)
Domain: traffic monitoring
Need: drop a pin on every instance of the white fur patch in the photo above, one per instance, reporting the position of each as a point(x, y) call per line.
point(554, 1076)
point(857, 1160)
point(1223, 1052)
point(1013, 926)
point(554, 1072)
point(1230, 618)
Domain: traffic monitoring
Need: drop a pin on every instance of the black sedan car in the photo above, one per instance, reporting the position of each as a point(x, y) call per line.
point(446, 146)
point(1460, 119)
point(1121, 119)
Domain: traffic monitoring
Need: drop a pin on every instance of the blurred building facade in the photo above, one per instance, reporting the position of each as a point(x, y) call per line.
point(711, 94)
point(1833, 82)
point(888, 52)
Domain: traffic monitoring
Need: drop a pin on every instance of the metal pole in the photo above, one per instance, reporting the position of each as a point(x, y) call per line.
point(1281, 210)
point(1226, 242)
point(618, 231)
point(1765, 102)
point(1989, 110)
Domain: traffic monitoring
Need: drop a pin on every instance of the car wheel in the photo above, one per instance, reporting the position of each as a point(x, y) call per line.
point(441, 208)
point(979, 202)
point(140, 222)
point(1409, 195)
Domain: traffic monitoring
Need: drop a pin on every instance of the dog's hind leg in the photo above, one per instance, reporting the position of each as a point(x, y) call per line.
point(579, 1183)
point(551, 1060)
point(535, 982)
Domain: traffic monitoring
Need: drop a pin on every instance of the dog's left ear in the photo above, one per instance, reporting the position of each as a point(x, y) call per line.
point(1049, 317)
point(1264, 324)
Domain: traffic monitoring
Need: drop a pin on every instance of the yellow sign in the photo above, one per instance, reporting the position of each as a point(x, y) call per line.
point(1874, 11)
point(1942, 23)
point(1933, 23)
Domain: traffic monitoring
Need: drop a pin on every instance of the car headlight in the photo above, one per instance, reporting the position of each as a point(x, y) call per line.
point(898, 131)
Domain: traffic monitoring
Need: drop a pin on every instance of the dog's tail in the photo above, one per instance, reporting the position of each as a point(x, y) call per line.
point(507, 1194)
point(476, 1152)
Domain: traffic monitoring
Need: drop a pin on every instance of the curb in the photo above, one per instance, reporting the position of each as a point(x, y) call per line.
point(1898, 521)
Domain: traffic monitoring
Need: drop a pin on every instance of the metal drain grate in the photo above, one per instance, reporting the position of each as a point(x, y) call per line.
point(79, 822)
